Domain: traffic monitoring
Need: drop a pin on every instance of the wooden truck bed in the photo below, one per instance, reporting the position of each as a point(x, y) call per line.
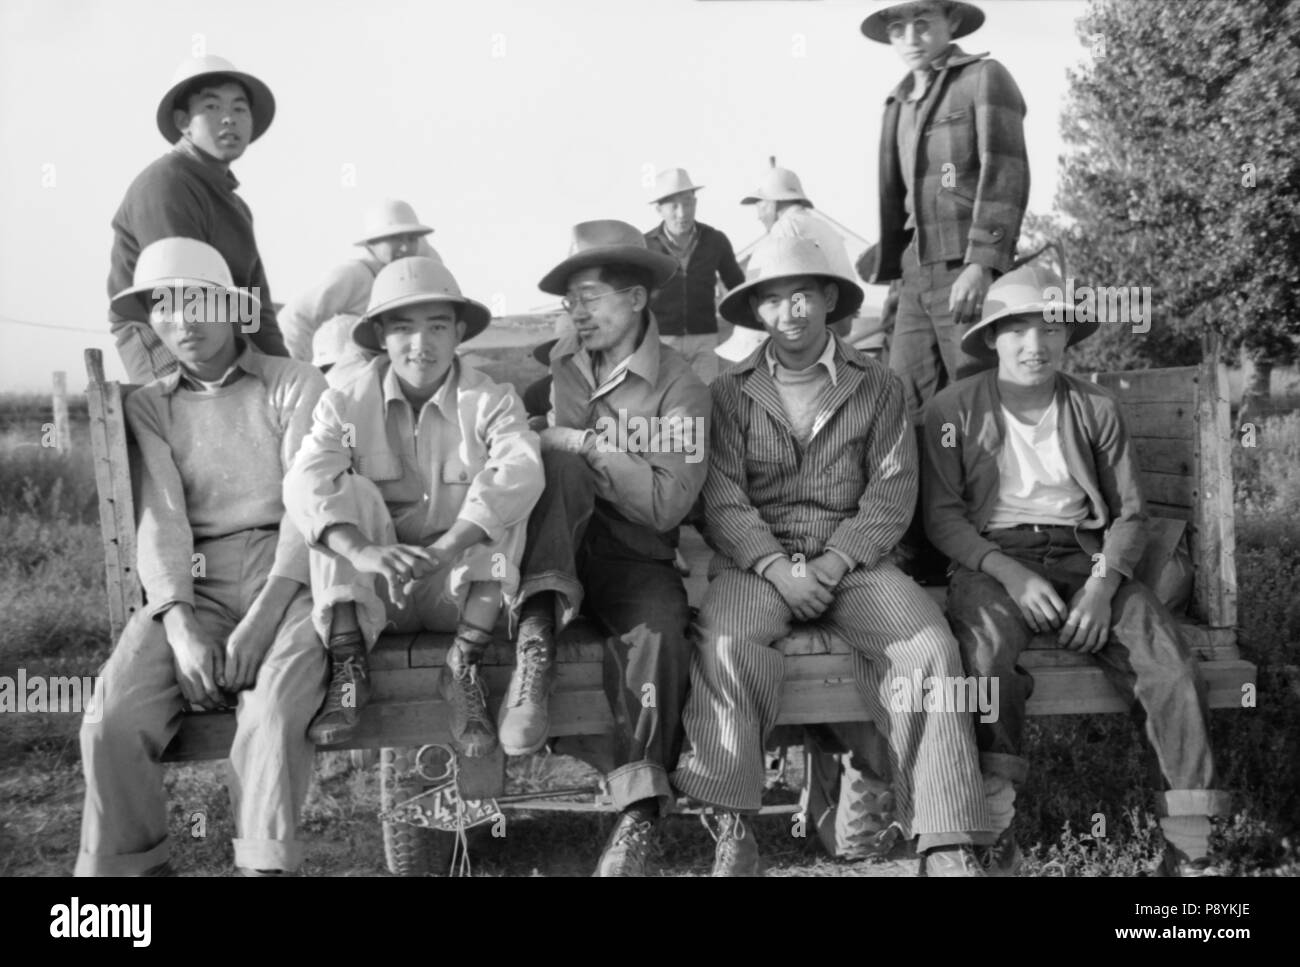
point(1179, 418)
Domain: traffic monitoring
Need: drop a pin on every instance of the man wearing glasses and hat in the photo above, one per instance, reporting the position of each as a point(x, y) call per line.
point(210, 115)
point(812, 476)
point(954, 184)
point(391, 231)
point(685, 307)
point(625, 455)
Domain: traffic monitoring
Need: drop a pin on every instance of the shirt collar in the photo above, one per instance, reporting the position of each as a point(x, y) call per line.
point(952, 56)
point(447, 391)
point(213, 169)
point(826, 359)
point(644, 361)
point(247, 361)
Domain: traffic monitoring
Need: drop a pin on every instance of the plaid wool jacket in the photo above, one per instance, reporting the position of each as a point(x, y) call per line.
point(972, 120)
point(852, 488)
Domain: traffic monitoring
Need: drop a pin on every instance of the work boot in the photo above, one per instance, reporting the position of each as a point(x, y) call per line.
point(736, 853)
point(627, 851)
point(524, 721)
point(952, 861)
point(864, 819)
point(472, 731)
point(349, 690)
point(1003, 858)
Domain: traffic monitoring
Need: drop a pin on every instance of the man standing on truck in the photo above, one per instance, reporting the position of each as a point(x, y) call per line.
point(1031, 488)
point(228, 618)
point(685, 306)
point(811, 480)
point(209, 115)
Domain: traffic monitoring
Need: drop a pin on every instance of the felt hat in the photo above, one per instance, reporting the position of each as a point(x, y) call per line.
point(390, 217)
point(672, 182)
point(787, 257)
point(262, 101)
point(181, 263)
point(604, 242)
point(414, 281)
point(1030, 290)
point(876, 26)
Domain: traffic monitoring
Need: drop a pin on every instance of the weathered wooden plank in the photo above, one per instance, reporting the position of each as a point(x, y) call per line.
point(1173, 385)
point(1214, 540)
point(391, 652)
point(1168, 489)
point(1164, 421)
point(1157, 509)
point(579, 642)
point(1157, 455)
point(414, 684)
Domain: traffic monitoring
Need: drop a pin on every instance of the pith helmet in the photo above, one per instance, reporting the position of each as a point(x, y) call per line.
point(1031, 290)
point(604, 242)
point(390, 217)
point(782, 258)
point(262, 100)
point(779, 184)
point(672, 182)
point(177, 263)
point(412, 281)
point(876, 26)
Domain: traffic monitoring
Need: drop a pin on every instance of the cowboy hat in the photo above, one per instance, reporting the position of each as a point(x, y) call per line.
point(390, 217)
point(261, 100)
point(779, 184)
point(414, 281)
point(176, 263)
point(876, 26)
point(1031, 290)
point(783, 258)
point(605, 242)
point(672, 182)
point(741, 343)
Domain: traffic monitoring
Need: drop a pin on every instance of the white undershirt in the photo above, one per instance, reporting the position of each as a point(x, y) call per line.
point(1035, 486)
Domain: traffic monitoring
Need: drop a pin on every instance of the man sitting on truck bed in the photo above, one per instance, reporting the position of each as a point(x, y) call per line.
point(228, 615)
point(1031, 488)
point(415, 485)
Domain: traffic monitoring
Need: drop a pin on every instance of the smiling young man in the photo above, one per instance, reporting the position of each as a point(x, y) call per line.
point(210, 115)
point(954, 183)
point(1031, 488)
point(228, 614)
point(812, 476)
point(684, 306)
point(413, 491)
point(625, 456)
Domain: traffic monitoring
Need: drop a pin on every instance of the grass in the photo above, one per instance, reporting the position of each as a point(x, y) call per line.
point(52, 595)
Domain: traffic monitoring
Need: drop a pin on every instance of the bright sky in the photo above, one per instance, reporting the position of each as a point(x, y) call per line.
point(503, 122)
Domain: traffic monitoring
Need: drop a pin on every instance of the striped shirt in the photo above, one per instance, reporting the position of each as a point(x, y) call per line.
point(851, 489)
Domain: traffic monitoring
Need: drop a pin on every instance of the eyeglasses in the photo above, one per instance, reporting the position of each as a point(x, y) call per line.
point(587, 300)
point(898, 28)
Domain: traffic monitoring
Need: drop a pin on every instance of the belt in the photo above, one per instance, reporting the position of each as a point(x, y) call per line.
point(1041, 528)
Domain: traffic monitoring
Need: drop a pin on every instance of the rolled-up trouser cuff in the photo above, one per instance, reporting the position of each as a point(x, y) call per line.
point(1013, 768)
point(640, 780)
point(568, 597)
point(372, 615)
point(929, 841)
point(268, 854)
point(124, 864)
point(1195, 802)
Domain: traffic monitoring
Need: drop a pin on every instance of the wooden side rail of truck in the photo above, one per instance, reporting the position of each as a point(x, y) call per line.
point(1180, 423)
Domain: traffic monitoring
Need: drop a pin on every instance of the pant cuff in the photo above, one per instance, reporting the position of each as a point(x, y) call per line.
point(372, 616)
point(1010, 767)
point(698, 788)
point(122, 864)
point(269, 854)
point(568, 597)
point(1195, 802)
point(929, 841)
point(640, 780)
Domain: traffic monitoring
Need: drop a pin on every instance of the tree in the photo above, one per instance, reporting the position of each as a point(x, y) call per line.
point(1182, 174)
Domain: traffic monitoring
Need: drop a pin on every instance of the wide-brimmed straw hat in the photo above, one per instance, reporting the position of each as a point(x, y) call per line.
point(262, 100)
point(673, 181)
point(783, 258)
point(1031, 290)
point(779, 184)
point(390, 217)
point(178, 263)
point(414, 281)
point(605, 242)
point(741, 343)
point(876, 26)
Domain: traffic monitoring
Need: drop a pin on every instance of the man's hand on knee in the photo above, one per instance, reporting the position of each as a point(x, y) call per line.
point(1039, 604)
point(1087, 628)
point(803, 593)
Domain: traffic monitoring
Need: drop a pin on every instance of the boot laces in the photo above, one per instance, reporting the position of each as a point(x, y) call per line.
point(529, 683)
point(731, 831)
point(469, 695)
point(347, 672)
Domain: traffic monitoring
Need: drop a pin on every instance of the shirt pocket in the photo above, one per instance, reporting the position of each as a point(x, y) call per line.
point(950, 138)
point(460, 468)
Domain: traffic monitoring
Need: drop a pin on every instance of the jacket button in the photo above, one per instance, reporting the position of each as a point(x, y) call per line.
point(996, 233)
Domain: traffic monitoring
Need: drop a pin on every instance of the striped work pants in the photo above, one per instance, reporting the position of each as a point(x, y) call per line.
point(896, 630)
